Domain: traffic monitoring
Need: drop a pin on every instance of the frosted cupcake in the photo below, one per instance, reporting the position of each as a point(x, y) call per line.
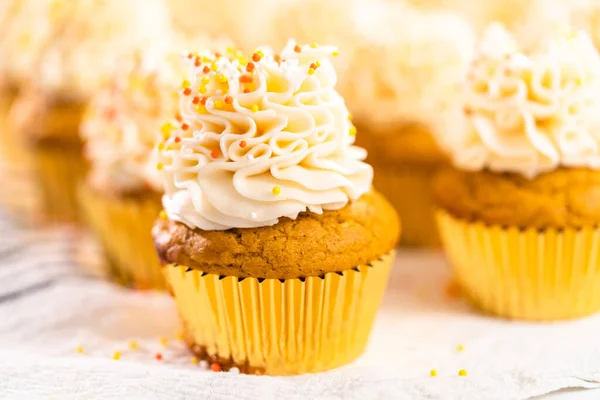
point(519, 213)
point(83, 54)
point(405, 71)
point(121, 196)
point(276, 248)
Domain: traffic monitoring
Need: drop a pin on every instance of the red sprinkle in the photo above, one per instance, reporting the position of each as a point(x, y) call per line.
point(297, 48)
point(206, 69)
point(313, 66)
point(185, 127)
point(245, 79)
point(197, 63)
point(228, 99)
point(256, 57)
point(196, 100)
point(203, 100)
point(177, 139)
point(215, 367)
point(243, 144)
point(187, 91)
point(158, 356)
point(246, 90)
point(250, 67)
point(214, 153)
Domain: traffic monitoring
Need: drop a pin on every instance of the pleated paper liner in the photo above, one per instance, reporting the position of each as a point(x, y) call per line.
point(408, 188)
point(123, 226)
point(280, 327)
point(59, 168)
point(530, 274)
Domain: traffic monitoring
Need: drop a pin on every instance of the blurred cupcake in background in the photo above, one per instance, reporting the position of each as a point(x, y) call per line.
point(520, 211)
point(121, 195)
point(406, 69)
point(85, 49)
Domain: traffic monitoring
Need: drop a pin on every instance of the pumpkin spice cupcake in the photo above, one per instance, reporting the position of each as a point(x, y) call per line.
point(519, 213)
point(398, 83)
point(83, 54)
point(276, 248)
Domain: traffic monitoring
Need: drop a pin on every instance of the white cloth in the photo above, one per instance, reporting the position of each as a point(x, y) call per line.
point(49, 306)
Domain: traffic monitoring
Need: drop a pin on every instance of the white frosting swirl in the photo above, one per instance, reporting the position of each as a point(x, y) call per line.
point(272, 140)
point(528, 113)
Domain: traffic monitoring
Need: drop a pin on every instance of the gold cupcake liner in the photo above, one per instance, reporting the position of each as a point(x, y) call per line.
point(280, 327)
point(58, 169)
point(529, 274)
point(123, 226)
point(408, 188)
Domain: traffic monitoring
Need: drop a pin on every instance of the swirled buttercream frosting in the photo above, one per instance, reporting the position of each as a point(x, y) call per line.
point(259, 138)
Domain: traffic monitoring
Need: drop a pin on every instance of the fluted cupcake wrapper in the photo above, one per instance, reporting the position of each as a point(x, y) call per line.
point(530, 274)
point(280, 327)
point(123, 226)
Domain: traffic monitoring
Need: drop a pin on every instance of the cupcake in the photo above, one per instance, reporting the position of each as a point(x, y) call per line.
point(518, 213)
point(276, 248)
point(406, 69)
point(121, 195)
point(84, 51)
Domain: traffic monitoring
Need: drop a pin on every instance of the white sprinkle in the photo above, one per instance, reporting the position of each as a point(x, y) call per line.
point(249, 157)
point(234, 370)
point(210, 103)
point(253, 215)
point(203, 364)
point(219, 92)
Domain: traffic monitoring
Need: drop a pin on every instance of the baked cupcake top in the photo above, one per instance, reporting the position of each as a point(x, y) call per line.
point(122, 120)
point(408, 65)
point(260, 138)
point(86, 47)
point(528, 112)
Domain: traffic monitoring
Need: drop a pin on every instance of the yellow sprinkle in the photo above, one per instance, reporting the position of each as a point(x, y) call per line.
point(80, 350)
point(219, 104)
point(180, 335)
point(186, 84)
point(164, 341)
point(117, 355)
point(433, 372)
point(166, 130)
point(254, 107)
point(213, 66)
point(276, 190)
point(201, 109)
point(242, 60)
point(318, 64)
point(335, 53)
point(222, 78)
point(230, 49)
point(260, 53)
point(195, 360)
point(206, 60)
point(160, 166)
point(202, 89)
point(162, 215)
point(314, 45)
point(133, 343)
point(161, 146)
point(460, 347)
point(239, 54)
point(205, 80)
point(352, 130)
point(462, 372)
point(311, 71)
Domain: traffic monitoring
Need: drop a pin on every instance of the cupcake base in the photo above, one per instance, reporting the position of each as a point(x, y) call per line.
point(280, 327)
point(529, 274)
point(123, 224)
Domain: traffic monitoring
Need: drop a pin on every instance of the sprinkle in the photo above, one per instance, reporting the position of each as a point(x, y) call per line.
point(246, 90)
point(250, 67)
point(317, 63)
point(276, 190)
point(160, 146)
point(187, 91)
point(163, 341)
point(197, 63)
point(349, 117)
point(311, 71)
point(352, 130)
point(314, 45)
point(158, 356)
point(253, 215)
point(203, 364)
point(218, 55)
point(215, 367)
point(206, 69)
point(162, 215)
point(277, 58)
point(160, 166)
point(214, 153)
point(297, 48)
point(234, 370)
point(205, 80)
point(178, 117)
point(228, 100)
point(243, 144)
point(468, 110)
point(433, 372)
point(314, 65)
point(166, 130)
point(202, 89)
point(462, 372)
point(186, 84)
point(256, 57)
point(203, 100)
point(80, 349)
point(460, 347)
point(132, 343)
point(190, 56)
point(222, 79)
point(219, 104)
point(213, 66)
point(201, 109)
point(254, 108)
point(117, 355)
point(242, 60)
point(185, 126)
point(335, 53)
point(219, 92)
point(177, 139)
point(245, 78)
point(196, 100)
point(195, 360)
point(231, 49)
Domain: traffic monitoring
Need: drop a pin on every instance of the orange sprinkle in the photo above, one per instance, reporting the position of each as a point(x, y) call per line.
point(203, 100)
point(245, 79)
point(243, 144)
point(197, 63)
point(185, 126)
point(196, 100)
point(313, 66)
point(190, 56)
point(250, 67)
point(228, 99)
point(178, 117)
point(246, 90)
point(177, 139)
point(468, 110)
point(256, 57)
point(214, 153)
point(187, 91)
point(297, 48)
point(218, 55)
point(277, 58)
point(215, 367)
point(158, 356)
point(206, 69)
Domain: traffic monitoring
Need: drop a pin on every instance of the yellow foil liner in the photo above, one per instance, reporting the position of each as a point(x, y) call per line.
point(526, 274)
point(280, 327)
point(123, 226)
point(58, 168)
point(408, 188)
